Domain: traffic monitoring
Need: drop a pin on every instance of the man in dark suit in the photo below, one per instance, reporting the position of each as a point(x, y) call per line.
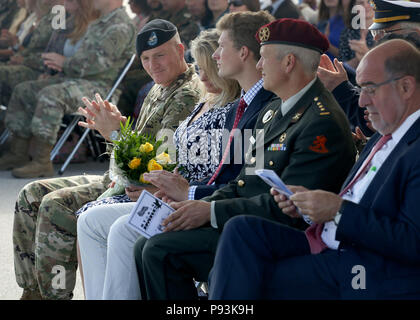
point(364, 243)
point(304, 137)
point(283, 9)
point(174, 187)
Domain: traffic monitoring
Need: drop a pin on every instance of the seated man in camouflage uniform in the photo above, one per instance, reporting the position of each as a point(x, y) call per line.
point(36, 108)
point(8, 9)
point(27, 63)
point(176, 12)
point(44, 232)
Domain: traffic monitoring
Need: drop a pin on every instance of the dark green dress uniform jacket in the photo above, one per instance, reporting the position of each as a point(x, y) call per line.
point(310, 146)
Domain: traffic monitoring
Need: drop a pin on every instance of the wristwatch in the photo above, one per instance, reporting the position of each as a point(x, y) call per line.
point(114, 135)
point(337, 218)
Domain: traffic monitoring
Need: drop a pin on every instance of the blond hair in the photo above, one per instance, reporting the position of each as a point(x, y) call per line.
point(202, 49)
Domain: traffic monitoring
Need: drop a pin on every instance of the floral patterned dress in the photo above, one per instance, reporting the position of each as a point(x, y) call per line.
point(199, 143)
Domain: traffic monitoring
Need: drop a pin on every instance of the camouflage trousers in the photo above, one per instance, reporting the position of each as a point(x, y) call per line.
point(44, 232)
point(36, 108)
point(11, 76)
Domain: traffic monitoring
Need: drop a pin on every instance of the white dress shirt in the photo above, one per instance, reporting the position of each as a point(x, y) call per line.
point(356, 193)
point(248, 97)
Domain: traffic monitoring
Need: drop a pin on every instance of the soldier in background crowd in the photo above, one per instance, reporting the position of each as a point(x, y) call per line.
point(176, 12)
point(36, 108)
point(11, 39)
point(27, 64)
point(8, 10)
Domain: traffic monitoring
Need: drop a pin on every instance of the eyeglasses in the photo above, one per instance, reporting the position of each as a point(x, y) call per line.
point(370, 89)
point(380, 33)
point(236, 3)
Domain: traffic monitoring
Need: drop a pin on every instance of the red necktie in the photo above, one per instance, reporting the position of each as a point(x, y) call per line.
point(313, 233)
point(239, 113)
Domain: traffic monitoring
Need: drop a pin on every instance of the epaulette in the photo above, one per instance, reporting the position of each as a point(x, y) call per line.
point(323, 111)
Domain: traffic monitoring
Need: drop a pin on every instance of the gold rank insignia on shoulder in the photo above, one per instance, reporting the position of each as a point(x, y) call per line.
point(323, 112)
point(283, 137)
point(316, 99)
point(264, 34)
point(268, 116)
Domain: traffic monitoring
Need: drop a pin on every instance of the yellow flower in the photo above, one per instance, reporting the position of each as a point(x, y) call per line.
point(134, 164)
point(142, 179)
point(153, 165)
point(146, 148)
point(163, 158)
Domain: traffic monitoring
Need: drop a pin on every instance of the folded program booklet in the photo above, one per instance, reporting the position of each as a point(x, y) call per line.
point(272, 179)
point(148, 214)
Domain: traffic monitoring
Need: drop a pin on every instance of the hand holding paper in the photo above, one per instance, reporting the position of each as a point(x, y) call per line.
point(148, 214)
point(281, 192)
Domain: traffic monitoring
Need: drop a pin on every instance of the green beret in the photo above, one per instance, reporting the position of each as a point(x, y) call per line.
point(154, 34)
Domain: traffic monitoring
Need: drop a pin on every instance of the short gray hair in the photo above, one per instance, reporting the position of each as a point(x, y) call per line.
point(309, 58)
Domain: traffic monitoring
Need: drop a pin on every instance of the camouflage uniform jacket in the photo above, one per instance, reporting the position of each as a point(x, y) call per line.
point(39, 41)
point(188, 29)
point(166, 107)
point(106, 47)
point(8, 10)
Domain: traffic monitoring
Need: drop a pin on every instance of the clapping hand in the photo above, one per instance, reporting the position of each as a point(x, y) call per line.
point(331, 75)
point(359, 47)
point(101, 115)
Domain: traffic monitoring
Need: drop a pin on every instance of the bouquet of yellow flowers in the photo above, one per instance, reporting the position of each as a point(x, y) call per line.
point(135, 154)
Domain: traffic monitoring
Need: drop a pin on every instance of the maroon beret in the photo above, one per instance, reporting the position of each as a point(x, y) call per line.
point(293, 32)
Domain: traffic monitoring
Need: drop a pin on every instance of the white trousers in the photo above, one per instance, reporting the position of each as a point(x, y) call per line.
point(106, 248)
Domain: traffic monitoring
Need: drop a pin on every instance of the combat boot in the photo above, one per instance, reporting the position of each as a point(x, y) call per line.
point(17, 156)
point(40, 166)
point(31, 295)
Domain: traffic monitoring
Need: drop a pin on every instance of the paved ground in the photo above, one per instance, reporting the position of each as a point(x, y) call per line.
point(9, 188)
